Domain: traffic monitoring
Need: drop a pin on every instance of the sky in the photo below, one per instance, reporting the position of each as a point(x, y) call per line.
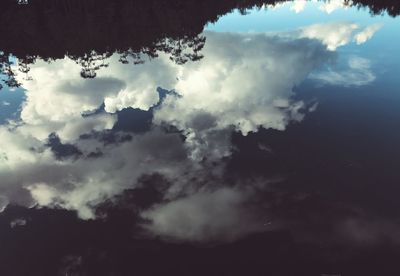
point(381, 50)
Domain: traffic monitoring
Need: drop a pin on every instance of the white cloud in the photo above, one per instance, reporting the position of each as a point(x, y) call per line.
point(215, 85)
point(75, 128)
point(358, 73)
point(338, 34)
point(245, 81)
point(42, 193)
point(298, 5)
point(333, 35)
point(333, 5)
point(56, 88)
point(367, 33)
point(57, 97)
point(15, 148)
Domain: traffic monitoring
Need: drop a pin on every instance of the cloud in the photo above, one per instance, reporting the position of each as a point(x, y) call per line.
point(358, 73)
point(209, 215)
point(333, 35)
point(18, 222)
point(274, 6)
point(56, 88)
point(213, 91)
point(80, 184)
point(3, 203)
point(367, 33)
point(214, 85)
point(333, 5)
point(333, 222)
point(244, 82)
point(367, 231)
point(298, 5)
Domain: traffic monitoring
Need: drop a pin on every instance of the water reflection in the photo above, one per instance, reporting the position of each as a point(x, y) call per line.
point(244, 82)
point(204, 136)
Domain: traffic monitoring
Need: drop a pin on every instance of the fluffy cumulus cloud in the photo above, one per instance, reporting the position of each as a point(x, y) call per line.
point(54, 90)
point(213, 92)
point(244, 81)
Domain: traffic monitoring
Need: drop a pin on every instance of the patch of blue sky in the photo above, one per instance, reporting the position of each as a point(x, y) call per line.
point(10, 103)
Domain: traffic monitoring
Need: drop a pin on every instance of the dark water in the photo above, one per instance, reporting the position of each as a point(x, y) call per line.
point(199, 137)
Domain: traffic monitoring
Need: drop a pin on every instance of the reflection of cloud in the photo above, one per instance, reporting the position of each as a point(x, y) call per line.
point(367, 33)
point(274, 6)
point(19, 222)
point(215, 85)
point(332, 5)
point(338, 34)
point(328, 221)
point(56, 88)
point(366, 231)
point(358, 73)
point(3, 203)
point(218, 215)
point(333, 35)
point(75, 184)
point(244, 82)
point(53, 95)
point(298, 5)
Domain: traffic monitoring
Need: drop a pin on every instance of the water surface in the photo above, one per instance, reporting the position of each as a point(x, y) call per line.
point(229, 138)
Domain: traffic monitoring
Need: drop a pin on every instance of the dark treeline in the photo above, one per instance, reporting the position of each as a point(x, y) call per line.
point(89, 31)
point(392, 7)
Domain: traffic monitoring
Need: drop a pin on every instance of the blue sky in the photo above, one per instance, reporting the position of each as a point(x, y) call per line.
point(10, 101)
point(284, 18)
point(381, 50)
